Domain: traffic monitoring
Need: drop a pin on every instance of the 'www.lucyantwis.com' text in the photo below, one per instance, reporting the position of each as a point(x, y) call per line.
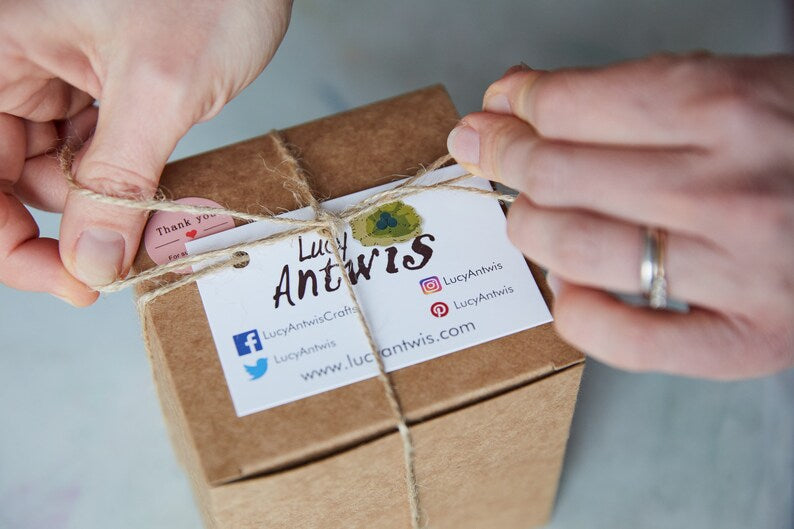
point(354, 361)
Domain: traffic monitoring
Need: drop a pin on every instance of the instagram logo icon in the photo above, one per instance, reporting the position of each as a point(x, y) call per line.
point(430, 285)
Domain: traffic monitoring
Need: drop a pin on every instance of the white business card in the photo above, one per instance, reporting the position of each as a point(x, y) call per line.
point(434, 274)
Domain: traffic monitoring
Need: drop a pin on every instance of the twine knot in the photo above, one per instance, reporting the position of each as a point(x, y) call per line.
point(333, 224)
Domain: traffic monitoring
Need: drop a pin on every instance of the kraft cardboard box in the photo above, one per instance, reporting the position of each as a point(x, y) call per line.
point(490, 422)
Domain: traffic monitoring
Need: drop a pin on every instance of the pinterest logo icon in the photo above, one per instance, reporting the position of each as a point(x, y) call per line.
point(439, 309)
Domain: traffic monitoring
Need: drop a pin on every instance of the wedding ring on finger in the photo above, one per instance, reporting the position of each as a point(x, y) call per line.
point(653, 282)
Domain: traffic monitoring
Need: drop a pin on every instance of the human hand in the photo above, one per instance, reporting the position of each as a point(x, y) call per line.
point(156, 68)
point(698, 145)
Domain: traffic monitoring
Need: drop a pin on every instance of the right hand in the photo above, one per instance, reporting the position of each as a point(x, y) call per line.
point(698, 145)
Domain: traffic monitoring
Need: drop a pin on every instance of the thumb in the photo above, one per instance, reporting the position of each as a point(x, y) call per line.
point(136, 132)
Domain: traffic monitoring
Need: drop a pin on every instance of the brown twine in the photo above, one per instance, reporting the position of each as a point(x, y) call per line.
point(327, 223)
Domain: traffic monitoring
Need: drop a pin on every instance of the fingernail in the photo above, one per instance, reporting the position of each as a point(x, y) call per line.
point(497, 103)
point(99, 256)
point(464, 144)
point(65, 300)
point(554, 284)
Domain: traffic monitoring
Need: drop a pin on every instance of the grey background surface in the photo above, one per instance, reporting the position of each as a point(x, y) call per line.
point(83, 445)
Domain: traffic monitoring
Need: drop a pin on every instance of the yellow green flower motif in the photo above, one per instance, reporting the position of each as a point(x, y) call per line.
point(388, 224)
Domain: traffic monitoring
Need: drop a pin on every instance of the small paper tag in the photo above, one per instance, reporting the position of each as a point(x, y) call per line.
point(167, 231)
point(434, 273)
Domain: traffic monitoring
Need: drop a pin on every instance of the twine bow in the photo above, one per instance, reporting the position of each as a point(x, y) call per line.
point(327, 223)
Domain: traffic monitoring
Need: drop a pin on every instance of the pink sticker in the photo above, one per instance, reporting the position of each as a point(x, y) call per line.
point(168, 231)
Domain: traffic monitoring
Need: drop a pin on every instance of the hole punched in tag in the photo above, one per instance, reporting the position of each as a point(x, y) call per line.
point(242, 259)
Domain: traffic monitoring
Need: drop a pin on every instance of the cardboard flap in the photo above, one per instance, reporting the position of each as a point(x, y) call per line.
point(344, 153)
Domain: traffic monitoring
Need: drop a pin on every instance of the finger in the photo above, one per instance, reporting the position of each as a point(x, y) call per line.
point(26, 261)
point(41, 137)
point(12, 150)
point(138, 127)
point(30, 263)
point(644, 186)
point(700, 343)
point(606, 253)
point(642, 102)
point(78, 101)
point(46, 137)
point(77, 128)
point(42, 184)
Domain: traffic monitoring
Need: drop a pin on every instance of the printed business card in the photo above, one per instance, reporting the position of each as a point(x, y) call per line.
point(433, 273)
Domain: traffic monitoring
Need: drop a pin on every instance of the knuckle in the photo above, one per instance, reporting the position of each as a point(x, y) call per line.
point(48, 103)
point(512, 159)
point(172, 81)
point(543, 167)
point(736, 112)
point(662, 60)
point(115, 180)
point(727, 104)
point(166, 71)
point(540, 96)
point(694, 68)
point(697, 72)
point(495, 140)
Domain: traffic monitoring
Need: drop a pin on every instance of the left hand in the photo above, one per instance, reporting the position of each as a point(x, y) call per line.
point(156, 68)
point(698, 145)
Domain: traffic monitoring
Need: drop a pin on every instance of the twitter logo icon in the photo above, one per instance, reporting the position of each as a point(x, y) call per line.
point(258, 369)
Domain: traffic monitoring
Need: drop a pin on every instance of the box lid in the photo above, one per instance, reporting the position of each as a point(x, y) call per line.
point(341, 154)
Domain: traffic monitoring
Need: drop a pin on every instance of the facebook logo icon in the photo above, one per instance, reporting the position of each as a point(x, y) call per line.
point(247, 342)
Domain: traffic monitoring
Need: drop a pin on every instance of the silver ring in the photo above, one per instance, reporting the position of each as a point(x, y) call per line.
point(653, 282)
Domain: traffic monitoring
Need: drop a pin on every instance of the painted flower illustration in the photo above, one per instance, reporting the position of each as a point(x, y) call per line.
point(388, 224)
